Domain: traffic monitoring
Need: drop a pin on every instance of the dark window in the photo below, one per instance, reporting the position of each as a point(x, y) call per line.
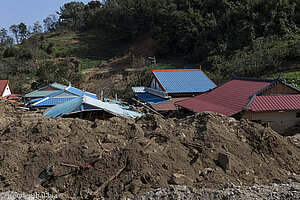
point(298, 114)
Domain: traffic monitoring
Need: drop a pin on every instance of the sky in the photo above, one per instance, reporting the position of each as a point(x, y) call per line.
point(29, 11)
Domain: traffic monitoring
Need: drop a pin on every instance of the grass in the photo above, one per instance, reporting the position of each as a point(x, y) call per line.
point(292, 78)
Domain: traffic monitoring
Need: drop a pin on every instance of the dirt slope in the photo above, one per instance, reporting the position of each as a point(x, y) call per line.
point(139, 155)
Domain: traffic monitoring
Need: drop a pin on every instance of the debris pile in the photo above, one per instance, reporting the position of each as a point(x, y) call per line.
point(128, 157)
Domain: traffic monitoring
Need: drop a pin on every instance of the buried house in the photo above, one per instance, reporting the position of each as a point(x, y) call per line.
point(165, 87)
point(272, 102)
point(89, 108)
point(44, 91)
point(61, 96)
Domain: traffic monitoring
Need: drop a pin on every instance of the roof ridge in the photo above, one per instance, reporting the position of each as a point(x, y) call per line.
point(177, 70)
point(252, 79)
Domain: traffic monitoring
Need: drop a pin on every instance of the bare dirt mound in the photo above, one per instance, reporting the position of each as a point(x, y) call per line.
point(136, 156)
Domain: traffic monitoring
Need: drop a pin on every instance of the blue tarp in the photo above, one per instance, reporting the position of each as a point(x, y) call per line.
point(184, 81)
point(151, 99)
point(85, 103)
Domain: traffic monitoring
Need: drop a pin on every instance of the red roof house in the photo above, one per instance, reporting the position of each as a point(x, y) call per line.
point(5, 88)
point(265, 100)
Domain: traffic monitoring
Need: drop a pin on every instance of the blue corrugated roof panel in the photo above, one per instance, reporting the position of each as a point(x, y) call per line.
point(150, 98)
point(63, 108)
point(184, 81)
point(52, 101)
point(87, 103)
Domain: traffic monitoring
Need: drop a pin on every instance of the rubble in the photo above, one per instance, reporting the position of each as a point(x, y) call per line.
point(136, 156)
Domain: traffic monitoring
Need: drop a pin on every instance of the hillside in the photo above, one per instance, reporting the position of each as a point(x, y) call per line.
point(99, 46)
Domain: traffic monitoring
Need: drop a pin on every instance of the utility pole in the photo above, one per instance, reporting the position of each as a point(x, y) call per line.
point(153, 60)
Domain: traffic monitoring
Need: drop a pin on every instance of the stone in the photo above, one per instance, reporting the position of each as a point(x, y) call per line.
point(180, 179)
point(206, 171)
point(53, 190)
point(223, 161)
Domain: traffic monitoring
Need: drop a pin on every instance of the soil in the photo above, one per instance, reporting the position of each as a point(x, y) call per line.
point(129, 157)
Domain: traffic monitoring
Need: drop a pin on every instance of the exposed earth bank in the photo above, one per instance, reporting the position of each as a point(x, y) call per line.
point(126, 158)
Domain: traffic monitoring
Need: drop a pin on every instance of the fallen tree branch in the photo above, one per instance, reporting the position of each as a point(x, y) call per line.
point(150, 142)
point(108, 181)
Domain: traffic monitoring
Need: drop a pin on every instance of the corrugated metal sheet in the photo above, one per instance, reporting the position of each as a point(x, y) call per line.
point(227, 99)
point(167, 105)
point(151, 99)
point(138, 89)
point(42, 93)
point(52, 101)
point(78, 104)
point(39, 94)
point(61, 96)
point(184, 81)
point(276, 102)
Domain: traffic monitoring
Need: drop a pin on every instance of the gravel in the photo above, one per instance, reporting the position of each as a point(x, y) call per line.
point(274, 191)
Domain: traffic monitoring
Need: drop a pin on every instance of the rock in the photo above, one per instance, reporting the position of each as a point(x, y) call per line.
point(135, 186)
point(53, 190)
point(180, 179)
point(62, 196)
point(223, 161)
point(206, 171)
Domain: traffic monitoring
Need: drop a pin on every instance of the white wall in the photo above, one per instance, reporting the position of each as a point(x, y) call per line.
point(278, 121)
point(6, 91)
point(155, 85)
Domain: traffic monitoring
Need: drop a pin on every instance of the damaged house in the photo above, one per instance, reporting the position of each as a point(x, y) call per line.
point(86, 107)
point(272, 102)
point(58, 97)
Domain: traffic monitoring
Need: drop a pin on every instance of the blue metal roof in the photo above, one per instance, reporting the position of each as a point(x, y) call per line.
point(52, 101)
point(151, 99)
point(86, 103)
point(184, 81)
point(61, 96)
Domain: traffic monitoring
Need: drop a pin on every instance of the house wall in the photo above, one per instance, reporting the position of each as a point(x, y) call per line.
point(155, 85)
point(280, 89)
point(277, 120)
point(6, 91)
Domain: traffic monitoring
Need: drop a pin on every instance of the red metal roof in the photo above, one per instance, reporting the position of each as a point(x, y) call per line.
point(3, 84)
point(167, 105)
point(276, 102)
point(227, 99)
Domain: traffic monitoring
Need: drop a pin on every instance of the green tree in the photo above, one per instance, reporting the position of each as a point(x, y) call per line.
point(37, 28)
point(50, 23)
point(71, 15)
point(23, 31)
point(5, 39)
point(15, 30)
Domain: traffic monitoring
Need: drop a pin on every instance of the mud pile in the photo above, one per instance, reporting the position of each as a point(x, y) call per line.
point(131, 157)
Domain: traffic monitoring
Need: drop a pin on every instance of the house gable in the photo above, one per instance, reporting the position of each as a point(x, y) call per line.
point(281, 88)
point(5, 88)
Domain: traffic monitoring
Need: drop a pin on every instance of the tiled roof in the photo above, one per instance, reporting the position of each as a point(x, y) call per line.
point(3, 84)
point(228, 98)
point(183, 81)
point(276, 102)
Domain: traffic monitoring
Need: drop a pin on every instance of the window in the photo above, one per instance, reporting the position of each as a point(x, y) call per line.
point(298, 115)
